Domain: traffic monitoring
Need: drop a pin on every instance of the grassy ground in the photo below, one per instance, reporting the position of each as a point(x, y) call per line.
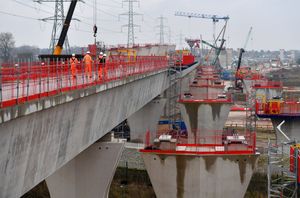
point(39, 191)
point(131, 183)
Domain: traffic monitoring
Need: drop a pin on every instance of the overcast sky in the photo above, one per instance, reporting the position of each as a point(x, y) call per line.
point(275, 22)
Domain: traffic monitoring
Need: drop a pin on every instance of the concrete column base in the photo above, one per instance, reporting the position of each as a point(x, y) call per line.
point(204, 120)
point(146, 119)
point(87, 175)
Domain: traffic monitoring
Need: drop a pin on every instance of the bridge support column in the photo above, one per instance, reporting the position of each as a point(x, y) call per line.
point(87, 175)
point(146, 119)
point(290, 128)
point(207, 118)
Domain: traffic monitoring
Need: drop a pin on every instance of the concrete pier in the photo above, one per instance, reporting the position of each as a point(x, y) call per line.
point(146, 119)
point(183, 176)
point(89, 174)
point(204, 119)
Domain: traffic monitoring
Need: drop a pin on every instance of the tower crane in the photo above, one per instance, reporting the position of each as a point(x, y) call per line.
point(214, 18)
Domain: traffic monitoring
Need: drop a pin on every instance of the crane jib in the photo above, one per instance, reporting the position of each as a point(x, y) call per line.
point(64, 31)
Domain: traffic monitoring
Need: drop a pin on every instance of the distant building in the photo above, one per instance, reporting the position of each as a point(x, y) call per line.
point(229, 53)
point(293, 56)
point(226, 57)
point(281, 55)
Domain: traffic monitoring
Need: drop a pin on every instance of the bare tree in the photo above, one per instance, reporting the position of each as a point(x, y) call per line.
point(7, 43)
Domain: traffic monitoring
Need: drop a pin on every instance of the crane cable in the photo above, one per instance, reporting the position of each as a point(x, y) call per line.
point(95, 28)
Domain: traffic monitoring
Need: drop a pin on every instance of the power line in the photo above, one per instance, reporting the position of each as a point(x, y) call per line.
point(130, 26)
point(29, 6)
point(36, 19)
point(17, 15)
point(161, 29)
point(102, 11)
point(58, 22)
point(108, 5)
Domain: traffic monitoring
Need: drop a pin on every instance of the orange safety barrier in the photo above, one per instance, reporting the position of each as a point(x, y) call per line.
point(33, 80)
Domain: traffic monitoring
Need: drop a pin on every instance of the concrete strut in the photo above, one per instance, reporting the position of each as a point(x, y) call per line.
point(39, 137)
point(87, 175)
point(204, 120)
point(146, 119)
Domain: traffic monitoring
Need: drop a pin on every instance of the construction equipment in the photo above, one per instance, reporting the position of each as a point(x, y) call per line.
point(239, 82)
point(64, 31)
point(238, 79)
point(283, 177)
point(247, 38)
point(214, 18)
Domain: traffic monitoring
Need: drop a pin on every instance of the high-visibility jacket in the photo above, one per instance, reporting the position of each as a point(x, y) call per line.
point(101, 70)
point(73, 63)
point(87, 59)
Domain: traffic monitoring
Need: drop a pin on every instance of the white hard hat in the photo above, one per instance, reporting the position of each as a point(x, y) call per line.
point(73, 54)
point(88, 52)
point(104, 54)
point(101, 53)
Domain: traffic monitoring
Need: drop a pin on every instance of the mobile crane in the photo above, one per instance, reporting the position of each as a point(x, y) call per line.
point(59, 46)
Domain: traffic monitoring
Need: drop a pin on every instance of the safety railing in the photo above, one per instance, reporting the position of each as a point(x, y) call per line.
point(23, 82)
point(208, 82)
point(230, 141)
point(277, 107)
point(267, 84)
point(205, 95)
point(248, 74)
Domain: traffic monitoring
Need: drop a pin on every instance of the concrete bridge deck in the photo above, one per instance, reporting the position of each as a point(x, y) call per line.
point(40, 136)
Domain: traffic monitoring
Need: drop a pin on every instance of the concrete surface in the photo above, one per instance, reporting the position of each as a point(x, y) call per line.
point(215, 176)
point(146, 119)
point(204, 120)
point(87, 175)
point(39, 137)
point(290, 128)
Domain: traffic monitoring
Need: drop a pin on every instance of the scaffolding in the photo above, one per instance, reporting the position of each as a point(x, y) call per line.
point(250, 112)
point(282, 182)
point(172, 109)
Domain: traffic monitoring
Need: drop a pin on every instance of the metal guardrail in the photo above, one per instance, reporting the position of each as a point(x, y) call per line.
point(28, 81)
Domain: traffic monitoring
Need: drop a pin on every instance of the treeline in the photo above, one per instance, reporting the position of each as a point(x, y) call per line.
point(9, 52)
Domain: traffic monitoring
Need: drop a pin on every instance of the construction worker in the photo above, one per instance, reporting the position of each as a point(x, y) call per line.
point(101, 61)
point(88, 61)
point(73, 63)
point(104, 66)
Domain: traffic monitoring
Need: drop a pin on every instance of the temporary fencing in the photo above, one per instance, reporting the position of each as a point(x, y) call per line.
point(219, 142)
point(25, 81)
